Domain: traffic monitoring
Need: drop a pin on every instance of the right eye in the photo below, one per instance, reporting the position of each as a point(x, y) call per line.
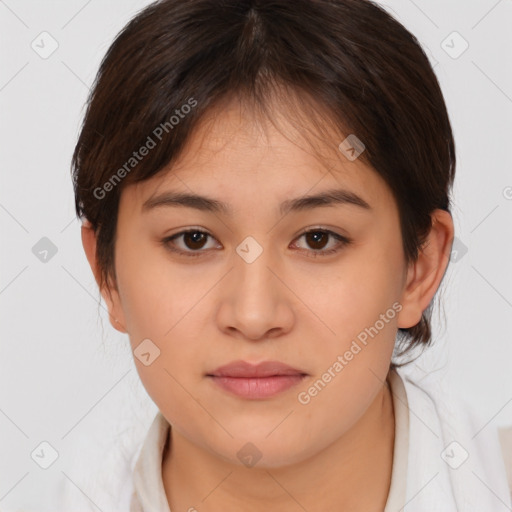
point(192, 242)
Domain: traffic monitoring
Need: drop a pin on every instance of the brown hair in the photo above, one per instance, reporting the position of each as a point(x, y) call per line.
point(175, 61)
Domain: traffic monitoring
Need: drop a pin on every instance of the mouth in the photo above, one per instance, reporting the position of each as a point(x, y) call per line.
point(260, 381)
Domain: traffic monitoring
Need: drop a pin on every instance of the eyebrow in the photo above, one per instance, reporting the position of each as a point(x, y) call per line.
point(327, 198)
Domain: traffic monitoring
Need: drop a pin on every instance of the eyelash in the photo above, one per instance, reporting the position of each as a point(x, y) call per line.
point(343, 242)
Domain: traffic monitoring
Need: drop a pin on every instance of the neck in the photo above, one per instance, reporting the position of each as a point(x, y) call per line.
point(354, 471)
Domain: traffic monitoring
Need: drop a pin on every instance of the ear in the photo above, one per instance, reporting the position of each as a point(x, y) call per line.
point(110, 294)
point(425, 274)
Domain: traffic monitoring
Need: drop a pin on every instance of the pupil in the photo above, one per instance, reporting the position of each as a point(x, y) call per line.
point(196, 238)
point(316, 237)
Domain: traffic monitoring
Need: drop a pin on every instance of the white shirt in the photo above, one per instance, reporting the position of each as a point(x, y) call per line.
point(137, 486)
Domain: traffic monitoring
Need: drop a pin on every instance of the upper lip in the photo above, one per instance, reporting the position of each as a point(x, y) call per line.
point(248, 370)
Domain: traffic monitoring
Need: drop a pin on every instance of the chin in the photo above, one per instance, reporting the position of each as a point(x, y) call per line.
point(264, 453)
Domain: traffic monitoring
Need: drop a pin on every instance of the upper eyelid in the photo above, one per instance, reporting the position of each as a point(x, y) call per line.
point(185, 231)
point(304, 231)
point(340, 238)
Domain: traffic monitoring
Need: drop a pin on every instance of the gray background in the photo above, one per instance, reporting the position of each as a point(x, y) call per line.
point(67, 378)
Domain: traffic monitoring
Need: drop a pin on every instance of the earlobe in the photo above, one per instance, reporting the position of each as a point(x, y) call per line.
point(425, 274)
point(115, 311)
point(111, 297)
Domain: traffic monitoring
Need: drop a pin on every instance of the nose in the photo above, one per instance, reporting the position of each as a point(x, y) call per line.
point(255, 303)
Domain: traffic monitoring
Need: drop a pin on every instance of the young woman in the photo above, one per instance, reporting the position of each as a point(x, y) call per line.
point(265, 189)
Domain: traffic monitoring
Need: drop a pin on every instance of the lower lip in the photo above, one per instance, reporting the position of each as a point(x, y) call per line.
point(261, 387)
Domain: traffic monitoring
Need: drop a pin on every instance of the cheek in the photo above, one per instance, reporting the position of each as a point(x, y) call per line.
point(167, 306)
point(162, 305)
point(155, 295)
point(352, 364)
point(351, 297)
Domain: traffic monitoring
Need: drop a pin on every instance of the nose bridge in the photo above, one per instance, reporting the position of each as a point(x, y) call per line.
point(256, 302)
point(253, 280)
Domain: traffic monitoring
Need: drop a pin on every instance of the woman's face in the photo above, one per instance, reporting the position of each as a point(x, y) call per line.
point(255, 288)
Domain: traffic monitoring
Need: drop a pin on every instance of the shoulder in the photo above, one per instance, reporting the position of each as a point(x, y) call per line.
point(98, 473)
point(434, 401)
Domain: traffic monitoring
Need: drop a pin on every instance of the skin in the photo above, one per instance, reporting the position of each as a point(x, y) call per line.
point(287, 305)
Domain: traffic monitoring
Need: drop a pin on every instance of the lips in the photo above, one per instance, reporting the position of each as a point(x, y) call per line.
point(253, 382)
point(243, 369)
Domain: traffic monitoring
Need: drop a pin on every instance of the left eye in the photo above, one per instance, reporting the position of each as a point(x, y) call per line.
point(194, 240)
point(319, 238)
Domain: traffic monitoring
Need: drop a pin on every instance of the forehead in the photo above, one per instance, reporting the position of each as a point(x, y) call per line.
point(235, 154)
